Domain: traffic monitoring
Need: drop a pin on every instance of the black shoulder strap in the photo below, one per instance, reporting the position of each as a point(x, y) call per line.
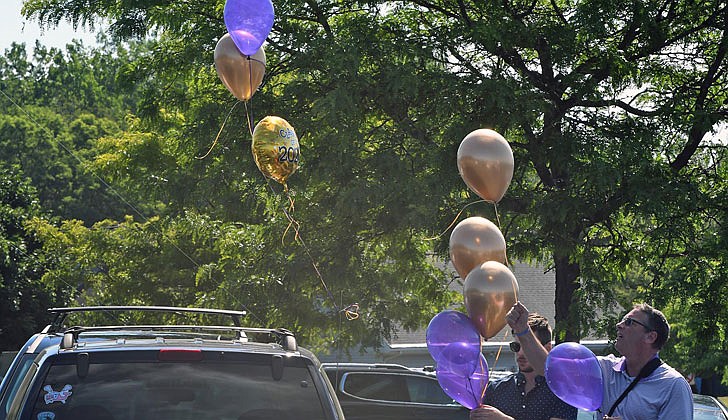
point(645, 372)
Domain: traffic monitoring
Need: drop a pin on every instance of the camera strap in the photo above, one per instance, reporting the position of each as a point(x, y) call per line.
point(644, 372)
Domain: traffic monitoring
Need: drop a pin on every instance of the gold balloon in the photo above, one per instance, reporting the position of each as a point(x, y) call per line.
point(474, 241)
point(275, 148)
point(490, 291)
point(241, 74)
point(485, 162)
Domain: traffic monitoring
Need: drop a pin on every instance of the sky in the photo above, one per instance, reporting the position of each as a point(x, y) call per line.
point(14, 27)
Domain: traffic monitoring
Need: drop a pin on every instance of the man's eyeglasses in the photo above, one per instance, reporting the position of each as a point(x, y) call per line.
point(516, 346)
point(629, 321)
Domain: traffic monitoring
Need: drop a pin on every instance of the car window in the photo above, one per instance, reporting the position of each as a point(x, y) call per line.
point(14, 381)
point(178, 390)
point(705, 412)
point(427, 390)
point(395, 387)
point(707, 408)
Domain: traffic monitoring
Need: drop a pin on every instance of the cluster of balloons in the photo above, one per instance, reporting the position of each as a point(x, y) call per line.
point(478, 253)
point(240, 64)
point(239, 55)
point(462, 370)
point(477, 246)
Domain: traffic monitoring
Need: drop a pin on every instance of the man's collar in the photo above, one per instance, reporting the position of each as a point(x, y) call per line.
point(521, 379)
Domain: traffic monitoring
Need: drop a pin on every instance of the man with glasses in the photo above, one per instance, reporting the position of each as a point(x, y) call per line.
point(524, 395)
point(661, 394)
point(638, 385)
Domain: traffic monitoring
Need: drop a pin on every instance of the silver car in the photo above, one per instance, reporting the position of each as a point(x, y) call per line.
point(705, 407)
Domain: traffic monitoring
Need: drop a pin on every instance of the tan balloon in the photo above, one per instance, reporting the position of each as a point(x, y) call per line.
point(490, 291)
point(241, 74)
point(474, 241)
point(485, 162)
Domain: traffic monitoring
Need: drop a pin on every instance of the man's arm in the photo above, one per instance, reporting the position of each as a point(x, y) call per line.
point(679, 405)
point(536, 354)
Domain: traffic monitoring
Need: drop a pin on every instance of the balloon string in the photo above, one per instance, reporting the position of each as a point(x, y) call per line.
point(218, 133)
point(249, 113)
point(497, 219)
point(495, 362)
point(469, 388)
point(249, 117)
point(351, 311)
point(455, 219)
point(291, 221)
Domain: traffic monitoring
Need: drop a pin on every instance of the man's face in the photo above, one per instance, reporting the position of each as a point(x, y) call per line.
point(523, 364)
point(632, 332)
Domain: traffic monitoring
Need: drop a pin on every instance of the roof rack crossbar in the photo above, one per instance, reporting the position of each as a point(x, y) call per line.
point(285, 337)
point(62, 313)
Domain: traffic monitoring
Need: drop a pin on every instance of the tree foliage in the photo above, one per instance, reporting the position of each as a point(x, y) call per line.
point(24, 298)
point(57, 104)
point(609, 108)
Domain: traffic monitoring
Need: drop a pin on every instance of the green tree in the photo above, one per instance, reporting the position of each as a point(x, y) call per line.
point(24, 299)
point(608, 106)
point(56, 104)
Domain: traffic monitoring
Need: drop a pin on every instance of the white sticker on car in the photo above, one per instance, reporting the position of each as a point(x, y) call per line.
point(54, 396)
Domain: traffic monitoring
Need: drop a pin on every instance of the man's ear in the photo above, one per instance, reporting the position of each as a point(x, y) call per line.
point(651, 337)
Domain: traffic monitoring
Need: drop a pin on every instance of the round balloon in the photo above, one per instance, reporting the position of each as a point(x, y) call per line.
point(468, 391)
point(241, 74)
point(275, 148)
point(453, 342)
point(485, 162)
point(490, 290)
point(474, 241)
point(574, 375)
point(249, 22)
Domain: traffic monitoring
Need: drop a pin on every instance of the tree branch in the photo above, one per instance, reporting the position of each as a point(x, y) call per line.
point(701, 122)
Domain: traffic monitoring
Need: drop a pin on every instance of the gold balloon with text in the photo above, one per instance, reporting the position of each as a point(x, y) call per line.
point(275, 148)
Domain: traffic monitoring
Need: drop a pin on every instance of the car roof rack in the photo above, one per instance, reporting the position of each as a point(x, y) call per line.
point(364, 365)
point(70, 335)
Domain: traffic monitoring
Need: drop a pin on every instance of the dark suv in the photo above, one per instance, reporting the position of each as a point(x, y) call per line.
point(164, 371)
point(390, 391)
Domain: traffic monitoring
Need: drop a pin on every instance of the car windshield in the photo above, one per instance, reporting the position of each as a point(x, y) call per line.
point(177, 390)
point(706, 409)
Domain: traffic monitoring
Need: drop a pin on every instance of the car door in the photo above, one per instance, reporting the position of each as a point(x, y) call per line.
point(395, 395)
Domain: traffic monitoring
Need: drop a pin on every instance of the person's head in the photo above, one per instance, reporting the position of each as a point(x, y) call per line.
point(542, 330)
point(643, 327)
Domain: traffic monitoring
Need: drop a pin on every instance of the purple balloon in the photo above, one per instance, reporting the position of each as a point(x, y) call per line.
point(249, 22)
point(454, 343)
point(468, 391)
point(573, 373)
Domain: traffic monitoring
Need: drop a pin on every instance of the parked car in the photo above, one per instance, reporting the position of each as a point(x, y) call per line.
point(705, 407)
point(164, 371)
point(390, 391)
